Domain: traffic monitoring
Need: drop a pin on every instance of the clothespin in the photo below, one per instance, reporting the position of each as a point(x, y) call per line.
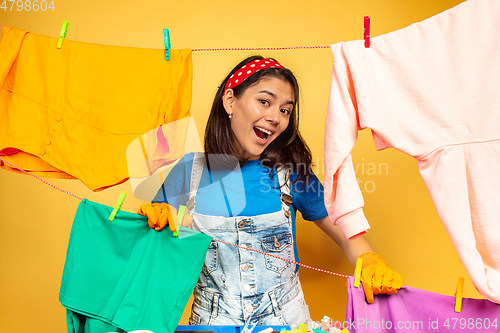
point(62, 35)
point(459, 294)
point(166, 40)
point(357, 272)
point(366, 34)
point(118, 206)
point(180, 215)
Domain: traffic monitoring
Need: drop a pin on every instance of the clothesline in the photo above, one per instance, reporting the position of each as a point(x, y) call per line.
point(257, 48)
point(40, 179)
point(264, 48)
point(217, 240)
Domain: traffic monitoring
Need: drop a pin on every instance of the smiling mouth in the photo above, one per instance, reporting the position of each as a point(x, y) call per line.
point(262, 133)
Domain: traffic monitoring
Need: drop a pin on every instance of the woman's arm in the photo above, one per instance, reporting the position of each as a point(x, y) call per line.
point(352, 248)
point(376, 277)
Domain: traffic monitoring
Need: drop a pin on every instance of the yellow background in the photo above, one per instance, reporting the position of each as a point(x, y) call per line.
point(35, 220)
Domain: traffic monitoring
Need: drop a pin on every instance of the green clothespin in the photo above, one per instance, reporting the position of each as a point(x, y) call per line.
point(166, 40)
point(180, 215)
point(118, 205)
point(62, 35)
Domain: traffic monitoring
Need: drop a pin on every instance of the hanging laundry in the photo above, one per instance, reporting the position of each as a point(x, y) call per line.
point(72, 112)
point(415, 310)
point(125, 275)
point(432, 91)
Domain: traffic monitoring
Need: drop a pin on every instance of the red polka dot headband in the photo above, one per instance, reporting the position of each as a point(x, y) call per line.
point(248, 70)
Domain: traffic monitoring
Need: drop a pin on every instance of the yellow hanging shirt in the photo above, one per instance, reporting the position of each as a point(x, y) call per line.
point(72, 112)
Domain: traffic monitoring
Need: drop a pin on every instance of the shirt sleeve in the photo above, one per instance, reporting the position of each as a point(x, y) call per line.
point(309, 200)
point(343, 199)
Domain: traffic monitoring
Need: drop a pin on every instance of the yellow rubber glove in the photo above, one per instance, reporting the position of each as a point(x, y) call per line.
point(186, 220)
point(159, 215)
point(377, 278)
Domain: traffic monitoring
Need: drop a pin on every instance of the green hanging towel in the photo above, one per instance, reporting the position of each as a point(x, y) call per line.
point(125, 274)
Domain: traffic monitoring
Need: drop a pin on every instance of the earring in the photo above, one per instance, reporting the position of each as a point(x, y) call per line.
point(230, 115)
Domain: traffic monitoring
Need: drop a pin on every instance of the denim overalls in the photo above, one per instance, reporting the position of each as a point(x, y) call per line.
point(236, 284)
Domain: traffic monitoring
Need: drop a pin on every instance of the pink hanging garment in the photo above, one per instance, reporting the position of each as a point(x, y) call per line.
point(431, 90)
point(415, 310)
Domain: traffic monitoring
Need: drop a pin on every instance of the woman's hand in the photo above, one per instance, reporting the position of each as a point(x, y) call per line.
point(377, 278)
point(162, 214)
point(159, 215)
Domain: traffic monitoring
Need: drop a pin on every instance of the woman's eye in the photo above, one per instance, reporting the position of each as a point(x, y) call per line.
point(264, 101)
point(285, 111)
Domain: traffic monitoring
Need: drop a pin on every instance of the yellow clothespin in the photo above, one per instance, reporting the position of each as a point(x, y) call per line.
point(62, 35)
point(357, 272)
point(459, 294)
point(118, 205)
point(166, 40)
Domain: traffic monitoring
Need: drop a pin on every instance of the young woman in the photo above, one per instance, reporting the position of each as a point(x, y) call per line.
point(244, 191)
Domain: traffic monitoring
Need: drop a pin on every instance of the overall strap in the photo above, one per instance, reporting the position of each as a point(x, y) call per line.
point(286, 197)
point(197, 169)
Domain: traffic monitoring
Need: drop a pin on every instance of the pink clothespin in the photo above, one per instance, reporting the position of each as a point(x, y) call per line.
point(366, 34)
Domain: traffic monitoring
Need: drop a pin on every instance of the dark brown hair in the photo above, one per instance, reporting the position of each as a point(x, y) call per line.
point(288, 149)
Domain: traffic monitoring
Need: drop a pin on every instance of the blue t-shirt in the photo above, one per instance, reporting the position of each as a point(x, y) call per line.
point(245, 191)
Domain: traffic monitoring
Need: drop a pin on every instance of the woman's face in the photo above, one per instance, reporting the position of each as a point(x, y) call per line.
point(260, 115)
